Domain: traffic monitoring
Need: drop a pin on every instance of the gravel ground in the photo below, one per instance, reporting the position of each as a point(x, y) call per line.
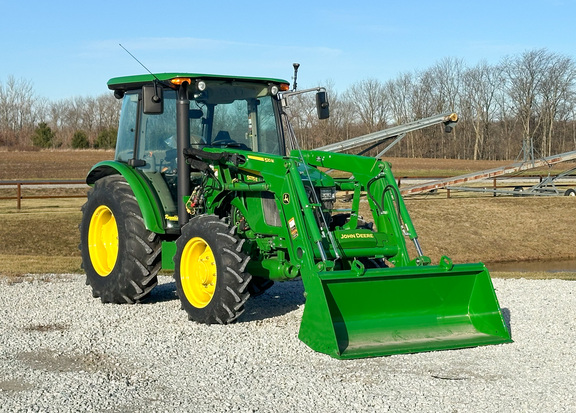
point(62, 350)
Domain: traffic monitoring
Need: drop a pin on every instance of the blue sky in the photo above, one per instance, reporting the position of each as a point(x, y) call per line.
point(71, 48)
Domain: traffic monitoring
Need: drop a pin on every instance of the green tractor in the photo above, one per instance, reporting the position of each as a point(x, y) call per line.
point(209, 182)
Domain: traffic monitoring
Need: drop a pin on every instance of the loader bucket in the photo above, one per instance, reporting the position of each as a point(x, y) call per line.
point(401, 310)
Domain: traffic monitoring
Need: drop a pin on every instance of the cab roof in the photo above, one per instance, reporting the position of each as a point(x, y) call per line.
point(137, 81)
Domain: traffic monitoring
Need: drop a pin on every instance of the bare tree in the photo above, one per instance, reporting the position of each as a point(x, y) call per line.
point(481, 84)
point(525, 76)
point(444, 82)
point(399, 93)
point(526, 98)
point(17, 111)
point(368, 98)
point(107, 111)
point(302, 119)
point(556, 89)
point(88, 114)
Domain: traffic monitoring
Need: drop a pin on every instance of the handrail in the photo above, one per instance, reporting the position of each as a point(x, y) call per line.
point(20, 183)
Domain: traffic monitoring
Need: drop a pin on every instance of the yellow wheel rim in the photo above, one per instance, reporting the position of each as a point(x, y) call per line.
point(103, 240)
point(198, 272)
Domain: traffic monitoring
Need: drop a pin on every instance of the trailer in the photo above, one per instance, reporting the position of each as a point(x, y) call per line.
point(545, 187)
point(395, 134)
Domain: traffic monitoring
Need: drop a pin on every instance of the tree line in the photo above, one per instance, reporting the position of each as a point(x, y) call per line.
point(27, 119)
point(524, 103)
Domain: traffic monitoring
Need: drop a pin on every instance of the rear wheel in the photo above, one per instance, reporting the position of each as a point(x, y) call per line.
point(210, 271)
point(120, 256)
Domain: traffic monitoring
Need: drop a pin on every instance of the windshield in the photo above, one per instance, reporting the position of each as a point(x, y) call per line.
point(226, 114)
point(236, 115)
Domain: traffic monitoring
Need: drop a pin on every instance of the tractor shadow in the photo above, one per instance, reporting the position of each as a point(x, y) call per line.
point(162, 293)
point(282, 298)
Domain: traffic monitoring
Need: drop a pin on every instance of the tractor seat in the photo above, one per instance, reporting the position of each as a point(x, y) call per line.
point(223, 139)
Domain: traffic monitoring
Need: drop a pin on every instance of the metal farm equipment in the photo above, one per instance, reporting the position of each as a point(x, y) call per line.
point(203, 184)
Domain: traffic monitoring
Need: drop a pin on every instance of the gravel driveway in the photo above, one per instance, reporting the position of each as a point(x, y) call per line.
point(62, 350)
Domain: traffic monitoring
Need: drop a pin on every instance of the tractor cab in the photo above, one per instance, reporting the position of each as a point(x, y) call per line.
point(210, 111)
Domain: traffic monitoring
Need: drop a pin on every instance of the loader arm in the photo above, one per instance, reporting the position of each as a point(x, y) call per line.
point(365, 295)
point(374, 177)
point(301, 227)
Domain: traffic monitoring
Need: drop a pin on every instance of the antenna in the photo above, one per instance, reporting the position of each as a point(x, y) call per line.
point(155, 98)
point(296, 66)
point(141, 64)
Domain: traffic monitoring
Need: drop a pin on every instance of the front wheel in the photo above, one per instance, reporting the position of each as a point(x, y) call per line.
point(210, 271)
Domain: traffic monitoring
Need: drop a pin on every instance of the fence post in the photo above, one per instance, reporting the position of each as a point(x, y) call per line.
point(18, 195)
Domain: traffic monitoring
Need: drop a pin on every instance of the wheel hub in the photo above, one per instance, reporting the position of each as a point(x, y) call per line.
point(198, 272)
point(103, 240)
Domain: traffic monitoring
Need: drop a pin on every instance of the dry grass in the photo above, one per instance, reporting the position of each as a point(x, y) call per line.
point(407, 167)
point(75, 164)
point(40, 241)
point(489, 229)
point(46, 164)
point(19, 265)
point(496, 229)
point(40, 233)
point(43, 236)
point(411, 167)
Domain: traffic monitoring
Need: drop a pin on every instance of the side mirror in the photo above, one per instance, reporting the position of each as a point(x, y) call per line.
point(153, 100)
point(322, 105)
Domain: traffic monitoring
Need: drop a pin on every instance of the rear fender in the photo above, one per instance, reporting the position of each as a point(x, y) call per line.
point(146, 198)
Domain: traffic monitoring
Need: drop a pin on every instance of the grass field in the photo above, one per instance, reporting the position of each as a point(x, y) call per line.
point(57, 164)
point(43, 236)
point(75, 164)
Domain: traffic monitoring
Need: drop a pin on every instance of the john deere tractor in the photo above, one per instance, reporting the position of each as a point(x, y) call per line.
point(208, 181)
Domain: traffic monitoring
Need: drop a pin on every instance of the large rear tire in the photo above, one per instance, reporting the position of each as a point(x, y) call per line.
point(210, 271)
point(120, 256)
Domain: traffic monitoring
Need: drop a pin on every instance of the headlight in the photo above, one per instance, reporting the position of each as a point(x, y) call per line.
point(273, 90)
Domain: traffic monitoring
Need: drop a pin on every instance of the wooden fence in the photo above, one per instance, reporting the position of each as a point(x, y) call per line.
point(18, 185)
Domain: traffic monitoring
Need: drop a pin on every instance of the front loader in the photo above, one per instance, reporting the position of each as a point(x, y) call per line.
point(209, 181)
